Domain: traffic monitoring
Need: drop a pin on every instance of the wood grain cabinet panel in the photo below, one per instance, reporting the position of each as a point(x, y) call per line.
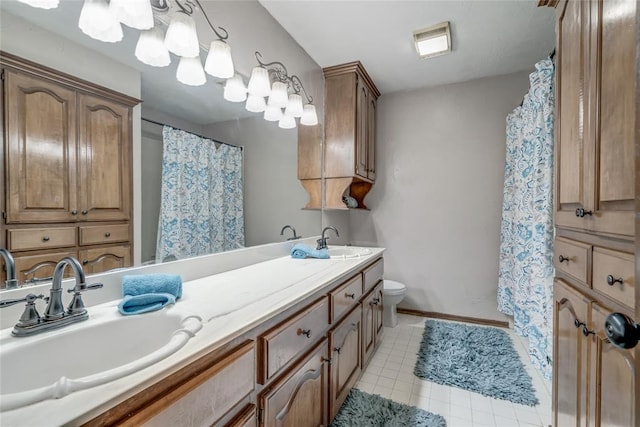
point(613, 275)
point(40, 122)
point(101, 259)
point(300, 398)
point(344, 297)
point(99, 234)
point(345, 344)
point(282, 344)
point(40, 238)
point(372, 326)
point(573, 258)
point(613, 378)
point(33, 269)
point(372, 275)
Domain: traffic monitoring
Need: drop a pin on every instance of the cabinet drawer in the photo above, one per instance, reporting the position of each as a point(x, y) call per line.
point(613, 275)
point(41, 238)
point(98, 234)
point(345, 297)
point(208, 397)
point(373, 275)
point(285, 342)
point(574, 256)
point(33, 269)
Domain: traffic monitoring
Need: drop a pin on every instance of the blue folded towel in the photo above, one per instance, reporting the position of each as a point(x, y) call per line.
point(137, 304)
point(152, 284)
point(301, 251)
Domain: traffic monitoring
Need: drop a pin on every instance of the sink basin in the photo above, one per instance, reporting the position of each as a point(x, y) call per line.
point(347, 252)
point(106, 347)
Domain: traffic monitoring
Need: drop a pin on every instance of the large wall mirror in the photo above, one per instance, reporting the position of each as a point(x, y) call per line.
point(273, 196)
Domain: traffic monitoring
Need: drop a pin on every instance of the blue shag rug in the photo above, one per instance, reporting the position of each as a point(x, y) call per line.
point(361, 409)
point(474, 358)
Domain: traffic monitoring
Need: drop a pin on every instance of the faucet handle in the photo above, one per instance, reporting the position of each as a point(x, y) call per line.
point(76, 306)
point(29, 299)
point(81, 287)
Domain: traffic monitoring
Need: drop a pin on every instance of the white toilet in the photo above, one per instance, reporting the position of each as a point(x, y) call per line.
point(393, 293)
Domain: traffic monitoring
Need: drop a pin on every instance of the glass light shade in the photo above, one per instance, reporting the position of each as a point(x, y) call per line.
point(98, 22)
point(150, 48)
point(234, 89)
point(287, 122)
point(133, 13)
point(42, 4)
point(190, 71)
point(279, 96)
point(259, 82)
point(181, 37)
point(309, 116)
point(294, 106)
point(272, 114)
point(219, 62)
point(255, 104)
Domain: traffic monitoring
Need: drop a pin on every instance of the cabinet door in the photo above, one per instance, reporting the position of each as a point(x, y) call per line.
point(300, 398)
point(613, 378)
point(378, 309)
point(98, 260)
point(371, 138)
point(346, 347)
point(104, 159)
point(570, 356)
point(41, 150)
point(362, 103)
point(573, 154)
point(368, 327)
point(613, 41)
point(33, 269)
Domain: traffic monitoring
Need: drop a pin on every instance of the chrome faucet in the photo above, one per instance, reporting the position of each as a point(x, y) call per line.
point(322, 241)
point(10, 266)
point(55, 316)
point(290, 227)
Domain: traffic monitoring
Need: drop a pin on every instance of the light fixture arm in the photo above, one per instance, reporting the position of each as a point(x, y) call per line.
point(296, 84)
point(276, 67)
point(223, 36)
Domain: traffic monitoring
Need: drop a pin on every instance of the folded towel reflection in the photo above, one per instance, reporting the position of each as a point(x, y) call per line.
point(152, 284)
point(301, 251)
point(138, 304)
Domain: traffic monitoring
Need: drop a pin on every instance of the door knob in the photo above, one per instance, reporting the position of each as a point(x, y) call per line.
point(621, 330)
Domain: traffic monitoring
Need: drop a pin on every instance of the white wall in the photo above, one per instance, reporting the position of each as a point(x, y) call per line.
point(436, 205)
point(23, 39)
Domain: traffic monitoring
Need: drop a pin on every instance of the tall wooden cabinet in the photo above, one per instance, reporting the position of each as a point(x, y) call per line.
point(349, 139)
point(67, 170)
point(595, 383)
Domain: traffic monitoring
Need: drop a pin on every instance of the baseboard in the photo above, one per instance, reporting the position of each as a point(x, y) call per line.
point(435, 315)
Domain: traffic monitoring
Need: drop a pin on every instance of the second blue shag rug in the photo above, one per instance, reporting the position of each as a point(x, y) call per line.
point(362, 409)
point(474, 358)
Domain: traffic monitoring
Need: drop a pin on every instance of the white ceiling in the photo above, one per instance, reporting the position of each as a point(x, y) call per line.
point(489, 37)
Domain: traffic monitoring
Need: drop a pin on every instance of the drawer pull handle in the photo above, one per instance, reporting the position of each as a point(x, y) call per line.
point(352, 296)
point(85, 262)
point(324, 359)
point(578, 323)
point(586, 331)
point(45, 239)
point(107, 234)
point(85, 212)
point(74, 212)
point(612, 280)
point(580, 212)
point(563, 258)
point(337, 349)
point(305, 332)
point(375, 301)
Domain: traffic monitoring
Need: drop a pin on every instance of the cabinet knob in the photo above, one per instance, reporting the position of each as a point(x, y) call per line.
point(85, 212)
point(612, 280)
point(324, 359)
point(337, 349)
point(621, 330)
point(107, 234)
point(305, 332)
point(352, 296)
point(578, 323)
point(74, 212)
point(563, 258)
point(580, 212)
point(45, 238)
point(375, 301)
point(586, 331)
point(85, 262)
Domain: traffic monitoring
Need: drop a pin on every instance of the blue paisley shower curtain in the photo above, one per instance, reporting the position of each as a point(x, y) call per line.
point(525, 281)
point(201, 205)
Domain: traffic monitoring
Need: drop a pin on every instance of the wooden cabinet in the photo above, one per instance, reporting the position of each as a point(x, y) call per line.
point(349, 139)
point(372, 326)
point(101, 259)
point(300, 398)
point(596, 115)
point(345, 345)
point(32, 269)
point(68, 161)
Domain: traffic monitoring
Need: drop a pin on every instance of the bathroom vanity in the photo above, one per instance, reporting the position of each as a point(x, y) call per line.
point(282, 342)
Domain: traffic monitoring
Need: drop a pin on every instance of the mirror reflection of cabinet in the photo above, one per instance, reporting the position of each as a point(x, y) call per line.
point(68, 163)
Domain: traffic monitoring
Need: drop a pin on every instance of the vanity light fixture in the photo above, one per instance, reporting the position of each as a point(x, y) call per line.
point(255, 104)
point(294, 106)
point(181, 38)
point(279, 96)
point(133, 13)
point(41, 4)
point(98, 21)
point(433, 41)
point(259, 84)
point(151, 50)
point(190, 71)
point(272, 113)
point(235, 90)
point(309, 116)
point(287, 122)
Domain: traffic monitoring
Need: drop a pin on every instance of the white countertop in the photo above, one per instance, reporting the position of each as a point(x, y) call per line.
point(230, 304)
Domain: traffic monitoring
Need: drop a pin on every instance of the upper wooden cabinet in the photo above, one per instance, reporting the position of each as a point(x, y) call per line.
point(596, 116)
point(349, 140)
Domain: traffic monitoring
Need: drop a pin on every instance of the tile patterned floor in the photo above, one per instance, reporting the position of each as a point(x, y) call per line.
point(390, 374)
